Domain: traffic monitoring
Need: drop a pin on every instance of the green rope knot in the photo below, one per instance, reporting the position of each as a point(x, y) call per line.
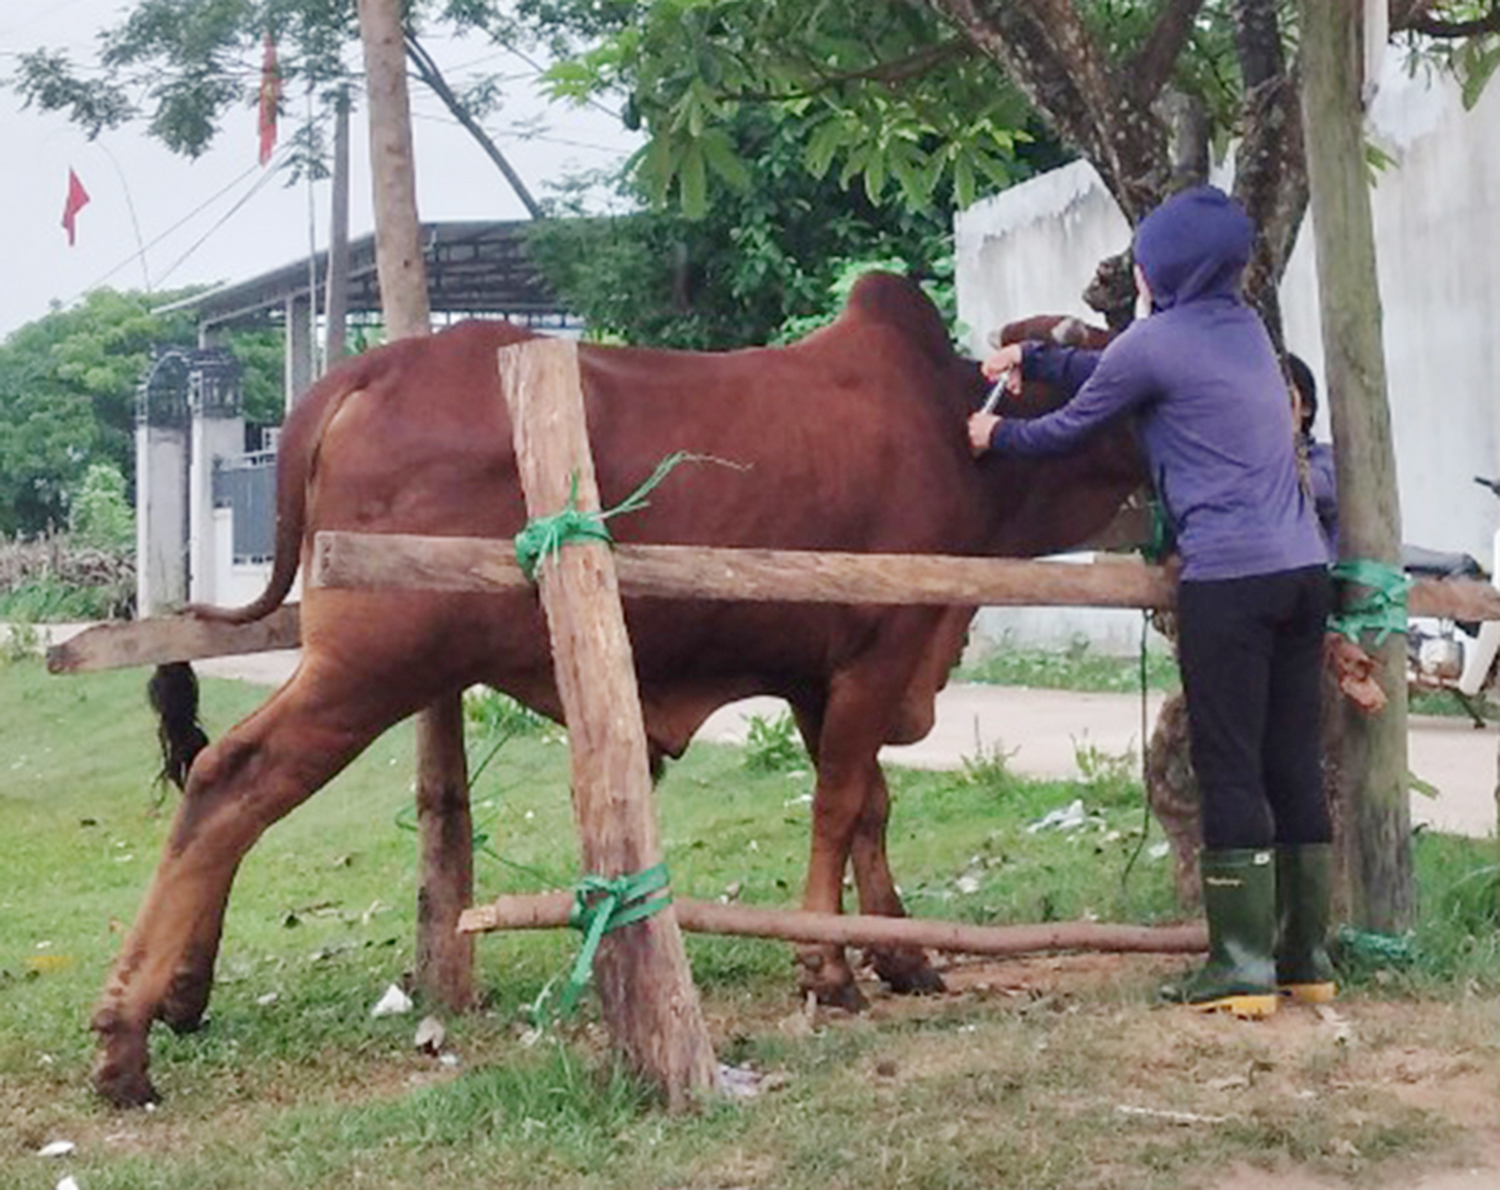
point(602, 904)
point(544, 536)
point(1382, 607)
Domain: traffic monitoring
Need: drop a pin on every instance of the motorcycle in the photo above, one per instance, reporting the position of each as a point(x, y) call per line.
point(1459, 656)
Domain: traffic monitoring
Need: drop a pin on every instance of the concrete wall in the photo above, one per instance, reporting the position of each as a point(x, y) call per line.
point(237, 583)
point(1032, 249)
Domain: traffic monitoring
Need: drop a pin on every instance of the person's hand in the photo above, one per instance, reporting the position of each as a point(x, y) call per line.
point(1004, 360)
point(981, 426)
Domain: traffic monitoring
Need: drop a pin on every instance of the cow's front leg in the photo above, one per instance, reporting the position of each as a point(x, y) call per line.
point(904, 969)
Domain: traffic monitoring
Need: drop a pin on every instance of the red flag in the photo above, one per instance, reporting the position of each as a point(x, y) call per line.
point(270, 99)
point(78, 198)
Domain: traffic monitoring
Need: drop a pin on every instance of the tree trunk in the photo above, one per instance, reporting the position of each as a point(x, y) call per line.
point(444, 958)
point(1373, 768)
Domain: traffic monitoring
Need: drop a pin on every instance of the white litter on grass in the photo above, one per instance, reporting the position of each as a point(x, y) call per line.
point(1159, 850)
point(268, 999)
point(430, 1035)
point(68, 1183)
point(395, 1002)
point(57, 1148)
point(1170, 1117)
point(1064, 818)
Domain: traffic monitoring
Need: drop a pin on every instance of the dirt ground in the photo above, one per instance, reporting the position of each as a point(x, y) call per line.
point(1439, 1058)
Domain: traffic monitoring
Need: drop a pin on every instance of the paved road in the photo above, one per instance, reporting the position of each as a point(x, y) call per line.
point(1042, 732)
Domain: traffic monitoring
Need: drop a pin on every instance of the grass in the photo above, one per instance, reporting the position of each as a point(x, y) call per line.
point(1013, 1080)
point(1077, 667)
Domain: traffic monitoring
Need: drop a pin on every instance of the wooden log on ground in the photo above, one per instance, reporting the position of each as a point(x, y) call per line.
point(163, 639)
point(370, 560)
point(646, 992)
point(550, 910)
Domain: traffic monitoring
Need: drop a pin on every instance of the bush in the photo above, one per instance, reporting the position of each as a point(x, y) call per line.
point(61, 578)
point(101, 516)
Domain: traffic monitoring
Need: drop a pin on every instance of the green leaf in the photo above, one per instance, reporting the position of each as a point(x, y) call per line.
point(692, 177)
point(721, 157)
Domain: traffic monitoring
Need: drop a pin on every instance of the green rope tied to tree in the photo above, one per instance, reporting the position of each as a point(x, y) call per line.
point(602, 904)
point(544, 536)
point(1381, 610)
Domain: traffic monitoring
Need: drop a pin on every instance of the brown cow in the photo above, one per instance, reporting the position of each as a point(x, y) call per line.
point(852, 439)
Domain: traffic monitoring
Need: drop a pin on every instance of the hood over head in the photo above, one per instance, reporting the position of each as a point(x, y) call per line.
point(1195, 245)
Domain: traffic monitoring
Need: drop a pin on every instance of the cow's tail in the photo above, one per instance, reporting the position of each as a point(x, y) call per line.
point(173, 689)
point(296, 455)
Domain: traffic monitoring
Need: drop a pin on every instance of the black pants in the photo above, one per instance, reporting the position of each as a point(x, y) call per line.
point(1251, 654)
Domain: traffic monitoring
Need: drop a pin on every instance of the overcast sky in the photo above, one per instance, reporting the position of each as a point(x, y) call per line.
point(158, 221)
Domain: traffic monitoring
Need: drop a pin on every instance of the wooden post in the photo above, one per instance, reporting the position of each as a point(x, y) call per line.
point(1373, 773)
point(445, 832)
point(649, 1003)
point(444, 959)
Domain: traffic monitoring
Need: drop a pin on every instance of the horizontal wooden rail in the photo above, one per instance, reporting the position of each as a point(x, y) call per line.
point(754, 575)
point(797, 576)
point(160, 639)
point(550, 910)
point(682, 572)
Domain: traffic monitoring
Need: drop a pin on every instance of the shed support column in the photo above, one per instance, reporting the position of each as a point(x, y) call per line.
point(299, 348)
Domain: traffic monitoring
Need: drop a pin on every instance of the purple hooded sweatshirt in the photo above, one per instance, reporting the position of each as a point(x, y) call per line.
point(1201, 379)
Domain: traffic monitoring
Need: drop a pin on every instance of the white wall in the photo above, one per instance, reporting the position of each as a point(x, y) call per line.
point(1033, 249)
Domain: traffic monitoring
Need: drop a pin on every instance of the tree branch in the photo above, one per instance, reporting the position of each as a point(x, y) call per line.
point(1455, 30)
point(428, 72)
point(1152, 66)
point(1053, 58)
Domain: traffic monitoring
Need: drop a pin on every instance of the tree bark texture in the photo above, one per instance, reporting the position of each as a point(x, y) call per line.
point(1108, 110)
point(1374, 765)
point(645, 987)
point(444, 959)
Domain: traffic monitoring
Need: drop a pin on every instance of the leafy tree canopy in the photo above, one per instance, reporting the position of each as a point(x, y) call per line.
point(67, 398)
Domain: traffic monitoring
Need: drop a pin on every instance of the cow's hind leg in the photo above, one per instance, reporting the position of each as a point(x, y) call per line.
point(903, 969)
point(238, 787)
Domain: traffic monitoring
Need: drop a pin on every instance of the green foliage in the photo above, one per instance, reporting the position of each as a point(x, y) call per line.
point(773, 746)
point(1077, 667)
point(761, 265)
point(101, 516)
point(887, 95)
point(68, 385)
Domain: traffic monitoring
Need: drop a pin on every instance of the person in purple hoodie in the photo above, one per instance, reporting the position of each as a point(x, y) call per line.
point(1200, 378)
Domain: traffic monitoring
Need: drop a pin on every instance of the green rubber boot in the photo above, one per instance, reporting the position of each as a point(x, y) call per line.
point(1304, 888)
point(1239, 900)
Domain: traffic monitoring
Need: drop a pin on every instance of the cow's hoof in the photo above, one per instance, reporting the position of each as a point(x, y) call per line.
point(908, 973)
point(121, 1086)
point(830, 981)
point(846, 996)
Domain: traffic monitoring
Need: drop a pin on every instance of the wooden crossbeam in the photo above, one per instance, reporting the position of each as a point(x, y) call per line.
point(392, 561)
point(161, 639)
point(550, 910)
point(703, 572)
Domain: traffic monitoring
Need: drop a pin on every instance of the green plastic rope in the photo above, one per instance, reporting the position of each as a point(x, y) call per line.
point(1381, 610)
point(544, 536)
point(602, 904)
